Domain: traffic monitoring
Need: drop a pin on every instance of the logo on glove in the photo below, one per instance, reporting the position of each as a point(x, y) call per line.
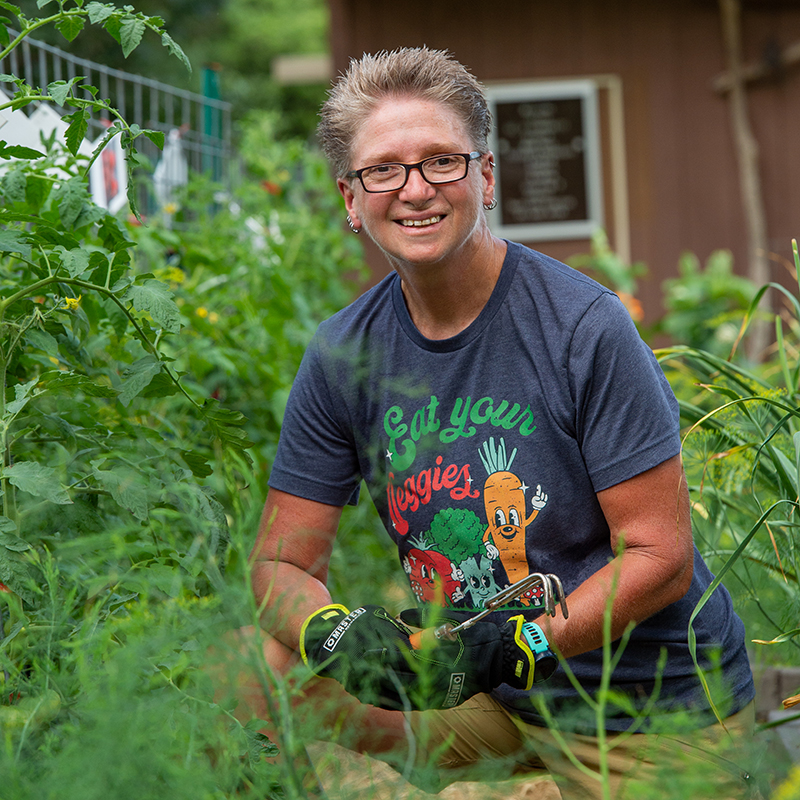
point(453, 697)
point(339, 630)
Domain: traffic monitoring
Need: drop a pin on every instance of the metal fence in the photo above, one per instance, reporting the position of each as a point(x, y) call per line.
point(204, 122)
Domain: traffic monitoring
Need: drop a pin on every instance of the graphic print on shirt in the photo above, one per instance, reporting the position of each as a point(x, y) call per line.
point(504, 501)
point(445, 557)
point(460, 560)
point(433, 576)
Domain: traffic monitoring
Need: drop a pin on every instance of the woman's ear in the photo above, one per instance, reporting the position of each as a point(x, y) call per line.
point(487, 172)
point(349, 203)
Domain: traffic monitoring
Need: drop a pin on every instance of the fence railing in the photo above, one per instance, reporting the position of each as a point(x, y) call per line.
point(204, 122)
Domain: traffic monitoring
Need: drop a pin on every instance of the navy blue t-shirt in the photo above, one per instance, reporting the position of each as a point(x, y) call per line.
point(483, 454)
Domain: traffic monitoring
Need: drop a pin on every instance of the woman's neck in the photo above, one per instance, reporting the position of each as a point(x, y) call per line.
point(444, 299)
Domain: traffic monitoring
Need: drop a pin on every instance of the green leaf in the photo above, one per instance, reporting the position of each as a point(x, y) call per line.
point(43, 3)
point(22, 394)
point(71, 384)
point(175, 50)
point(226, 425)
point(37, 190)
point(259, 747)
point(78, 123)
point(15, 574)
point(10, 7)
point(11, 542)
point(14, 242)
point(70, 196)
point(14, 183)
point(38, 480)
point(130, 33)
point(137, 377)
point(69, 27)
point(113, 25)
point(131, 193)
point(161, 386)
point(112, 235)
point(156, 137)
point(784, 637)
point(155, 298)
point(60, 90)
point(20, 151)
point(99, 12)
point(42, 340)
point(128, 488)
point(22, 97)
point(89, 214)
point(75, 262)
point(197, 463)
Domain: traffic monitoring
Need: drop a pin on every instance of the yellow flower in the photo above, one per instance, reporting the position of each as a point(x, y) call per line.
point(170, 208)
point(72, 302)
point(213, 317)
point(790, 788)
point(171, 274)
point(202, 312)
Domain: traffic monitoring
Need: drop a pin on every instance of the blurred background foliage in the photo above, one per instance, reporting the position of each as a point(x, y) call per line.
point(239, 38)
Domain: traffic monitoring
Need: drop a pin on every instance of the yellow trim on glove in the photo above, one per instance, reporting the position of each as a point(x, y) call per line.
point(318, 612)
point(523, 645)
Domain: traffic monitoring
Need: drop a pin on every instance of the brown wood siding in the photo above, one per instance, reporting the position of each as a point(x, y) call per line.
point(683, 182)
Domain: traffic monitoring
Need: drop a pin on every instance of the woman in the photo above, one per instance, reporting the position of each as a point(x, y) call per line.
point(476, 371)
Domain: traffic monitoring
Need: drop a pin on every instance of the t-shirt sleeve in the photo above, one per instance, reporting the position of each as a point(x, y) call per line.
point(626, 416)
point(316, 457)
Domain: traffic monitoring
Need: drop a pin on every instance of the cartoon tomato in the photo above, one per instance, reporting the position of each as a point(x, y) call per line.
point(432, 577)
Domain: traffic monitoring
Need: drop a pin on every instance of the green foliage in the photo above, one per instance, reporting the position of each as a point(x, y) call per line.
point(253, 272)
point(606, 267)
point(129, 357)
point(125, 26)
point(705, 306)
point(241, 38)
point(742, 454)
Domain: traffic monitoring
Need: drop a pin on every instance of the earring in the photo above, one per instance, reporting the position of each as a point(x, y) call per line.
point(491, 206)
point(353, 227)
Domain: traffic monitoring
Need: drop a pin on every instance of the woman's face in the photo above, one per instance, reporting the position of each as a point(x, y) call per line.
point(420, 223)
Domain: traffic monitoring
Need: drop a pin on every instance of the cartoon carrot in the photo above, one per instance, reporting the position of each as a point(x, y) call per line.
point(504, 501)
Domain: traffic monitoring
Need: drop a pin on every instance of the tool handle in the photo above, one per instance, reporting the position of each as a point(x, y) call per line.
point(429, 637)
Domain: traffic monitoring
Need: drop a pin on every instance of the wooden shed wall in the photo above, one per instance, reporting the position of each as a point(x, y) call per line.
point(682, 173)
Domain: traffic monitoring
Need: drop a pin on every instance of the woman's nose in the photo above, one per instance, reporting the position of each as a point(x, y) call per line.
point(416, 186)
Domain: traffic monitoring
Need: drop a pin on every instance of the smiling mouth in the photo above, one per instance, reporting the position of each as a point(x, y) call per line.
point(419, 223)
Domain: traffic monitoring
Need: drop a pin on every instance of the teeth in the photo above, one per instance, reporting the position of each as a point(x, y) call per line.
point(419, 223)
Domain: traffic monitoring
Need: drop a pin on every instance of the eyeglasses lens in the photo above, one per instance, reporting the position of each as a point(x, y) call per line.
point(440, 169)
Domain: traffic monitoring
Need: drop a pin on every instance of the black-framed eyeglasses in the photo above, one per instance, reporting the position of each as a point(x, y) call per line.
point(446, 168)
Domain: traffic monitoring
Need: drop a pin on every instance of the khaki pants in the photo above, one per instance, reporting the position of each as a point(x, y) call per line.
point(480, 740)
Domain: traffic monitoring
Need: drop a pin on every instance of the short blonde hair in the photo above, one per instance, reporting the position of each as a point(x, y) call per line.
point(416, 71)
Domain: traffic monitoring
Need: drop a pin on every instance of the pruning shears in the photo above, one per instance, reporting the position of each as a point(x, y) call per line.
point(553, 596)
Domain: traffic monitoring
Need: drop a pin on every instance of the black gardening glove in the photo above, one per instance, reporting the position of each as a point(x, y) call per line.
point(524, 659)
point(371, 655)
point(354, 648)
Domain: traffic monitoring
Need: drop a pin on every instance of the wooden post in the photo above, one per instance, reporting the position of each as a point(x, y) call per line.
point(747, 157)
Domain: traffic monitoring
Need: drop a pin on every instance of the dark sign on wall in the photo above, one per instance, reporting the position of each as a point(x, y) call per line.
point(546, 146)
